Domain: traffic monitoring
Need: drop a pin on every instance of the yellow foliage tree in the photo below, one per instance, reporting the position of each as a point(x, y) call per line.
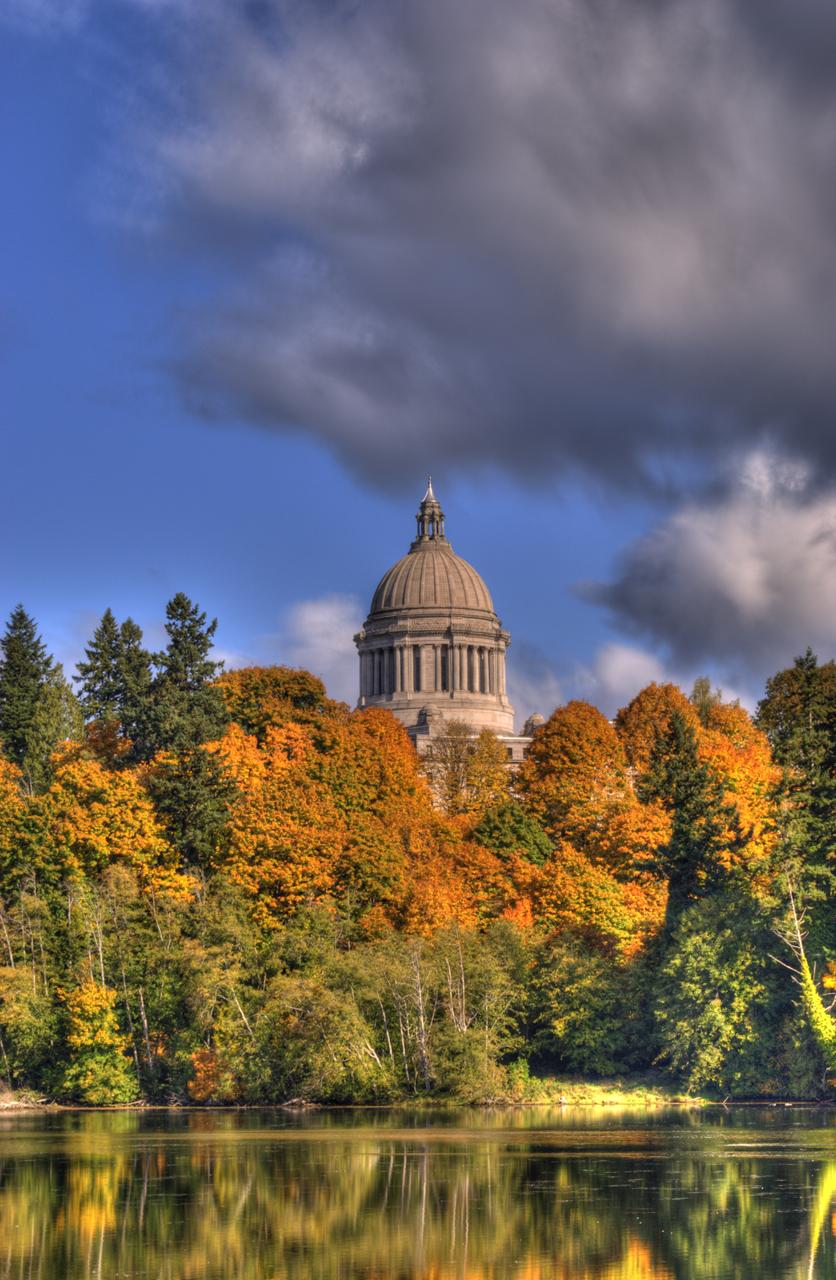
point(92, 817)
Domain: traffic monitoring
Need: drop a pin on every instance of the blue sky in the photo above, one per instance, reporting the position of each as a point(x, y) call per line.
point(233, 345)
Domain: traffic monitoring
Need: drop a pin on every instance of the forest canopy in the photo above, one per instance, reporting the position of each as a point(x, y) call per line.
point(226, 887)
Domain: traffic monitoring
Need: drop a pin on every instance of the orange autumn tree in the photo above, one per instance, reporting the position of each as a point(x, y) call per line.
point(575, 778)
point(12, 809)
point(576, 781)
point(262, 698)
point(740, 754)
point(727, 740)
point(332, 808)
point(647, 718)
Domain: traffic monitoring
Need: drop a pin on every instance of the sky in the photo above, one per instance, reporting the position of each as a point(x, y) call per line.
point(267, 264)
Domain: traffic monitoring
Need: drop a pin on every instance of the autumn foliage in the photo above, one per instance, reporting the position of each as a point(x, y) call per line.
point(350, 911)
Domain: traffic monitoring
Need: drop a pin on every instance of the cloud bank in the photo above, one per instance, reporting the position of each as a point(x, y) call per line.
point(557, 236)
point(745, 582)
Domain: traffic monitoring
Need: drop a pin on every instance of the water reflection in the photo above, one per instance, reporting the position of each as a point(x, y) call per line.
point(569, 1196)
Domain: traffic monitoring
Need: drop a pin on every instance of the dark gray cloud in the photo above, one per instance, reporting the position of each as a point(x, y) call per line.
point(584, 235)
point(743, 583)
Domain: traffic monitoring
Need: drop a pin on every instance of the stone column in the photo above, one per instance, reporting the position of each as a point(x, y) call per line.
point(437, 665)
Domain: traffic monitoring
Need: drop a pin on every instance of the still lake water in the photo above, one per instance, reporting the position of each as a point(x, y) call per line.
point(568, 1194)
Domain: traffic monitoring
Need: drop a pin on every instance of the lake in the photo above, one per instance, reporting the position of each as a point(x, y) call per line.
point(569, 1194)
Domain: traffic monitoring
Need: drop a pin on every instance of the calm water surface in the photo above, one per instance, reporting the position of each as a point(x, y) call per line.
point(568, 1194)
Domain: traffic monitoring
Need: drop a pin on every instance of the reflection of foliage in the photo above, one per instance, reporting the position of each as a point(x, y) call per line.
point(213, 1195)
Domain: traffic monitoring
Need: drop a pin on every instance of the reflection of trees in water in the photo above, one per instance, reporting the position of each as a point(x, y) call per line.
point(214, 1197)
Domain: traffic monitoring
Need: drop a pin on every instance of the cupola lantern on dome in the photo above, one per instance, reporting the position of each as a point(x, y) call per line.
point(430, 517)
point(432, 648)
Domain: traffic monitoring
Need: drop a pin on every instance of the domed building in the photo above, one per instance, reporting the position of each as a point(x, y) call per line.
point(432, 648)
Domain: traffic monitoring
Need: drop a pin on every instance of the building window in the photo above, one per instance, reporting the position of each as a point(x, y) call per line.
point(444, 685)
point(510, 751)
point(416, 655)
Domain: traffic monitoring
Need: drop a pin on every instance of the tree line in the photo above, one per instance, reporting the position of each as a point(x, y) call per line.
point(223, 886)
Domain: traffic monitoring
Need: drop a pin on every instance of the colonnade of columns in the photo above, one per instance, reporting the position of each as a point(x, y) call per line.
point(428, 668)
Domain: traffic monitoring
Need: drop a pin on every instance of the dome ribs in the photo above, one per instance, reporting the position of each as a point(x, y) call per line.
point(431, 577)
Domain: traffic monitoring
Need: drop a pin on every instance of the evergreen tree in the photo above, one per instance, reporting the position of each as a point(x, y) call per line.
point(798, 711)
point(180, 712)
point(24, 668)
point(57, 718)
point(798, 715)
point(705, 826)
point(192, 794)
point(117, 673)
point(181, 709)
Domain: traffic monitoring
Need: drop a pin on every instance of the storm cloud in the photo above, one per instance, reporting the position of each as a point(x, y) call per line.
point(555, 236)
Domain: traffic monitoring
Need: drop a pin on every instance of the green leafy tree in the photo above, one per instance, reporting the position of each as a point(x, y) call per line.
point(117, 673)
point(28, 1027)
point(509, 828)
point(705, 827)
point(24, 667)
point(99, 1073)
point(717, 1019)
point(57, 718)
point(704, 698)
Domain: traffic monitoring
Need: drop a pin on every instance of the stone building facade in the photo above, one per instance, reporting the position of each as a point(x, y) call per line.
point(432, 648)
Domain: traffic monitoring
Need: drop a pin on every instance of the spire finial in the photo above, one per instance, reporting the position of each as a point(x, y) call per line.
point(430, 518)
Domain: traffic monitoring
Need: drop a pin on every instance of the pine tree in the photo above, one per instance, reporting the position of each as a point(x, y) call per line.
point(24, 668)
point(57, 718)
point(192, 794)
point(117, 673)
point(179, 713)
point(705, 827)
point(181, 709)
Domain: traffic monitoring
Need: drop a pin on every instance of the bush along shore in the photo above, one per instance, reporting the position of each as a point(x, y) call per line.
point(225, 888)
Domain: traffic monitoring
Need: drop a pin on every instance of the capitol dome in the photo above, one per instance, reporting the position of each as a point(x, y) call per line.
point(432, 647)
point(431, 576)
